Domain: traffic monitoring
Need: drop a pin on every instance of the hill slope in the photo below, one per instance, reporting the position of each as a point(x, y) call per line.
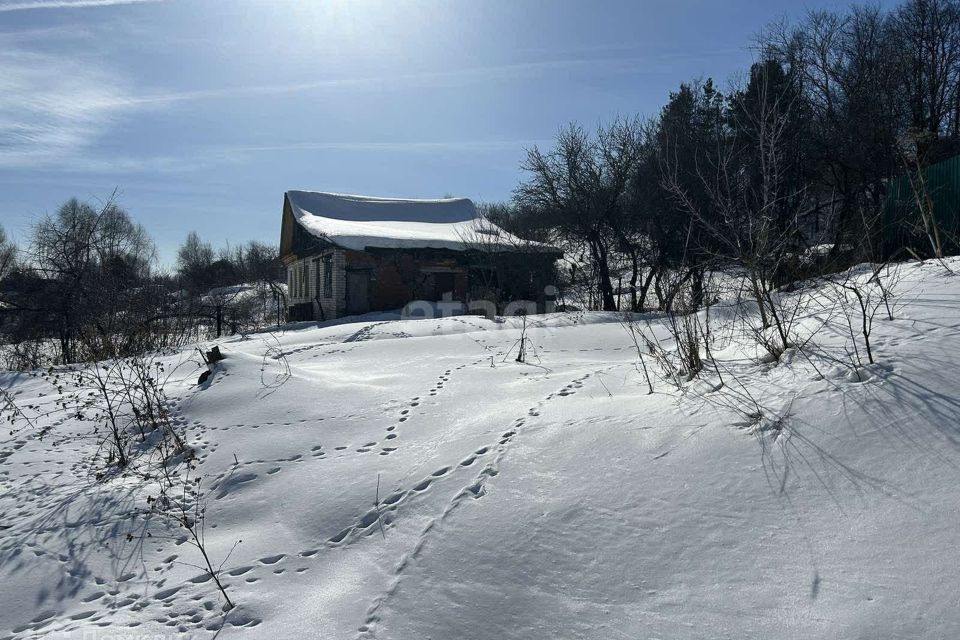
point(549, 499)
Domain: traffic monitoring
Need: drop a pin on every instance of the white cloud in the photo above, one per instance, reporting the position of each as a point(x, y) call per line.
point(55, 107)
point(473, 146)
point(200, 158)
point(22, 5)
point(424, 79)
point(52, 106)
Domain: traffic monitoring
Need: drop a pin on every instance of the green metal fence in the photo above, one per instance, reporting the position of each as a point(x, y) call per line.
point(902, 220)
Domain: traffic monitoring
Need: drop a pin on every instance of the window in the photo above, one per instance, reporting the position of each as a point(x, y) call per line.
point(301, 280)
point(316, 279)
point(328, 276)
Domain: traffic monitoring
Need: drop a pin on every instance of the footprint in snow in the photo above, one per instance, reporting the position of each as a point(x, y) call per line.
point(231, 483)
point(272, 559)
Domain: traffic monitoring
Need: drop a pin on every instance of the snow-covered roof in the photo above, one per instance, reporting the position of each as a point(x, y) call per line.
point(362, 222)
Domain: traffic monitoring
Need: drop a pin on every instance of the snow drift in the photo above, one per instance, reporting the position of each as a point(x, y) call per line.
point(408, 479)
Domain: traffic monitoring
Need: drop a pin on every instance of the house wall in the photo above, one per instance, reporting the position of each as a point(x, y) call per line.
point(307, 297)
point(400, 277)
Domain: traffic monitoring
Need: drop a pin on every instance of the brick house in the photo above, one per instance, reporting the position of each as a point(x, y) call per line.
point(347, 255)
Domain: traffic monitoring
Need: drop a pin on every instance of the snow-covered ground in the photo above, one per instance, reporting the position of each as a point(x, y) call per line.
point(554, 499)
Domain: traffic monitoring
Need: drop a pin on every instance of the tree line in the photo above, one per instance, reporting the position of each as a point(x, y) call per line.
point(779, 176)
point(782, 173)
point(87, 287)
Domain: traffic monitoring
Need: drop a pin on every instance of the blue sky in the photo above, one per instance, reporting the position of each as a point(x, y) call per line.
point(203, 112)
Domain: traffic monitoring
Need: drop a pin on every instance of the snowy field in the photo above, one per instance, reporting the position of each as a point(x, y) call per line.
point(553, 499)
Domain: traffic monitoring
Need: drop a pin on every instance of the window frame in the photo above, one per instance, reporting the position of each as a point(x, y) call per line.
point(317, 277)
point(328, 276)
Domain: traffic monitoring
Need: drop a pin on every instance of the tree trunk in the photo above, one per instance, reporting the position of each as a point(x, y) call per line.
point(696, 286)
point(644, 288)
point(606, 287)
point(675, 289)
point(760, 298)
point(658, 291)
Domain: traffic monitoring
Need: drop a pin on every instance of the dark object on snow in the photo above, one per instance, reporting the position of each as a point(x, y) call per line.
point(210, 358)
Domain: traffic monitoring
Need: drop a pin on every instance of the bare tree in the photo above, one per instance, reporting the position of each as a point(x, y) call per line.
point(8, 255)
point(194, 259)
point(91, 264)
point(747, 214)
point(507, 270)
point(927, 34)
point(578, 189)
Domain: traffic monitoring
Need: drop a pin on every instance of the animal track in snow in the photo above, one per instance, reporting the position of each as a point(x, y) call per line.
point(474, 490)
point(406, 413)
point(230, 483)
point(366, 333)
point(571, 388)
point(384, 512)
point(272, 559)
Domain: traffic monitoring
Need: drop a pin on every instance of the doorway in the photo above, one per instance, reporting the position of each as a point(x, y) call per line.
point(358, 292)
